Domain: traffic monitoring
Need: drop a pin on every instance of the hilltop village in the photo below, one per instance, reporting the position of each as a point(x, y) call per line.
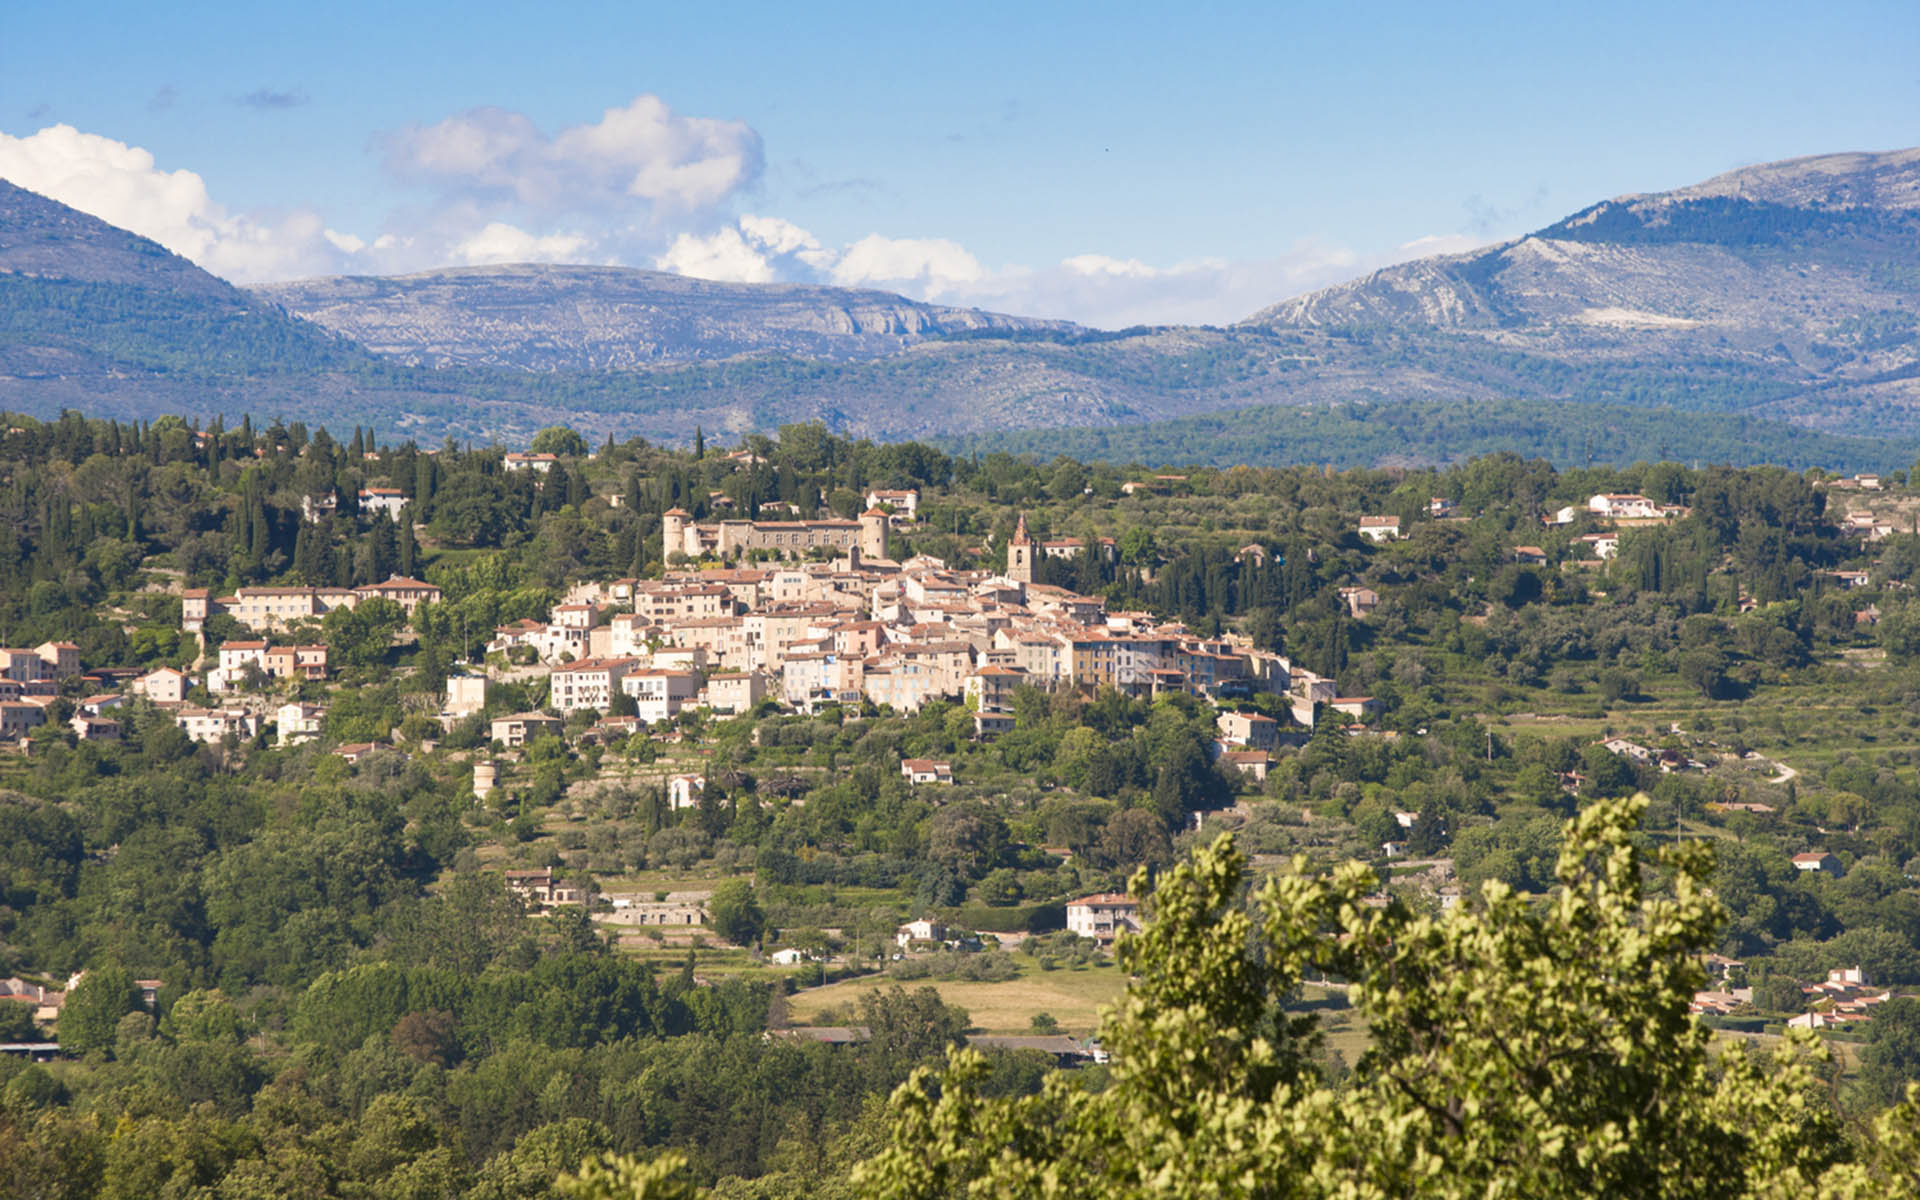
point(454, 758)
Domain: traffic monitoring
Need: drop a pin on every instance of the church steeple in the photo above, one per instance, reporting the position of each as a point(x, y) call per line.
point(1020, 553)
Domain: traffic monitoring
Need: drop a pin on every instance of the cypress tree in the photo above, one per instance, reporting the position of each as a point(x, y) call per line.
point(383, 552)
point(328, 567)
point(423, 479)
point(258, 532)
point(407, 549)
point(303, 554)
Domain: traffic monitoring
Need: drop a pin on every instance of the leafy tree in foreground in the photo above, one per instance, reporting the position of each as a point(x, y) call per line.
point(1519, 1051)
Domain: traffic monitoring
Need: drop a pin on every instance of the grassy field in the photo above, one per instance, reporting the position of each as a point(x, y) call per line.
point(1072, 997)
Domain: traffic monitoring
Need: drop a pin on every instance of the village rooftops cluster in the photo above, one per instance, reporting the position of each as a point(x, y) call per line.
point(1843, 998)
point(269, 609)
point(240, 672)
point(856, 628)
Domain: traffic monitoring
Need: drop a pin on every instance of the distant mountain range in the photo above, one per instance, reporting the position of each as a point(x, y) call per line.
point(563, 318)
point(1783, 295)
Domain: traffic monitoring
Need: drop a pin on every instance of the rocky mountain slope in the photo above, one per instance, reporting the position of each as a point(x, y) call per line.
point(557, 318)
point(44, 239)
point(1786, 293)
point(1802, 275)
point(94, 316)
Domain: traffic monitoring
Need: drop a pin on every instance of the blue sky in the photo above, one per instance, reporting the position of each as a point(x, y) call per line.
point(1110, 163)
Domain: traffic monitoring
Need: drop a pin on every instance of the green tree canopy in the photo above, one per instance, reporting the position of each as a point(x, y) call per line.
point(1519, 1051)
point(91, 1015)
point(734, 913)
point(559, 439)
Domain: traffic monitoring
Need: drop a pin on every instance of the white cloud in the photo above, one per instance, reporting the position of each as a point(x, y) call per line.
point(500, 242)
point(641, 160)
point(1101, 265)
point(725, 256)
point(778, 237)
point(1437, 243)
point(751, 250)
point(123, 186)
point(1094, 289)
point(1111, 292)
point(927, 268)
point(643, 185)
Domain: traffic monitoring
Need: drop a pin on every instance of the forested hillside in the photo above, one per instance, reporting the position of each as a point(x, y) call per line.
point(300, 966)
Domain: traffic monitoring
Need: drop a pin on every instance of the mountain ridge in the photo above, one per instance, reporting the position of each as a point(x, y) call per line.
point(1722, 298)
point(1813, 188)
point(543, 317)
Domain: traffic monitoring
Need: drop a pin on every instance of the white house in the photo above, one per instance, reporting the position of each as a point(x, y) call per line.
point(1252, 764)
point(1360, 708)
point(926, 770)
point(60, 660)
point(466, 695)
point(904, 503)
point(1380, 529)
point(1628, 749)
point(213, 724)
point(521, 728)
point(1817, 861)
point(1103, 916)
point(736, 691)
point(589, 683)
point(235, 658)
point(1602, 545)
point(659, 695)
point(386, 501)
point(683, 791)
point(1630, 505)
point(1252, 731)
point(162, 686)
point(924, 930)
point(297, 723)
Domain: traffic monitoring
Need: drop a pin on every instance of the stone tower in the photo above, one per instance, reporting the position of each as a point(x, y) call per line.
point(1020, 553)
point(673, 532)
point(873, 534)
